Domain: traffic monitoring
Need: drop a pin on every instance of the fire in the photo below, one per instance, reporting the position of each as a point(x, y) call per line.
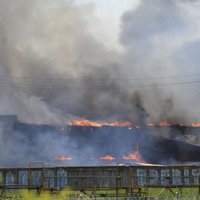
point(196, 124)
point(84, 122)
point(122, 124)
point(63, 158)
point(150, 124)
point(97, 124)
point(164, 123)
point(107, 158)
point(133, 156)
point(115, 124)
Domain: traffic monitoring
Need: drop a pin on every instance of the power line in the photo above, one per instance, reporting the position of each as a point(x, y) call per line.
point(100, 79)
point(82, 87)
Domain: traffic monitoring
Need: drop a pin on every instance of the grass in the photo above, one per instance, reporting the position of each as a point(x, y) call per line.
point(65, 194)
point(161, 191)
point(33, 195)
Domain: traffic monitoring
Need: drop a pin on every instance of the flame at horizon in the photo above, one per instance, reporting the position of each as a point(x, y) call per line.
point(134, 156)
point(97, 124)
point(107, 158)
point(84, 122)
point(63, 158)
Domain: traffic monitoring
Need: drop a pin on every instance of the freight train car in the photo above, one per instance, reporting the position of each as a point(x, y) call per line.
point(127, 178)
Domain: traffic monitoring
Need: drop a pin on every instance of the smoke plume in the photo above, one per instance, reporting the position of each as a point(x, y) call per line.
point(54, 65)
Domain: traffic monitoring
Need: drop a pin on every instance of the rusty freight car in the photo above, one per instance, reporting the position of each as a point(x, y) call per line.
point(126, 178)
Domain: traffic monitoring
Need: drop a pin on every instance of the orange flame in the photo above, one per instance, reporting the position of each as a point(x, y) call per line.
point(97, 124)
point(107, 158)
point(83, 123)
point(164, 123)
point(122, 124)
point(196, 124)
point(134, 156)
point(63, 158)
point(126, 124)
point(150, 124)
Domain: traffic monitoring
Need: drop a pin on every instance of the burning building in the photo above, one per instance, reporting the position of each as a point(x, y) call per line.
point(55, 65)
point(93, 143)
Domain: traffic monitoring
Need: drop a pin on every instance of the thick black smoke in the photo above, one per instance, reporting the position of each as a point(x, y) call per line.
point(161, 41)
point(54, 67)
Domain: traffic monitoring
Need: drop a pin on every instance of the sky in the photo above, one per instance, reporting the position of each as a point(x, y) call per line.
point(111, 8)
point(109, 13)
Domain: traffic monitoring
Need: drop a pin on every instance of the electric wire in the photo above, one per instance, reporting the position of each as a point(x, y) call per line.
point(100, 79)
point(105, 86)
point(74, 84)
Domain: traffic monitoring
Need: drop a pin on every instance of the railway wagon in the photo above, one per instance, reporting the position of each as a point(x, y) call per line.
point(96, 177)
point(59, 177)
